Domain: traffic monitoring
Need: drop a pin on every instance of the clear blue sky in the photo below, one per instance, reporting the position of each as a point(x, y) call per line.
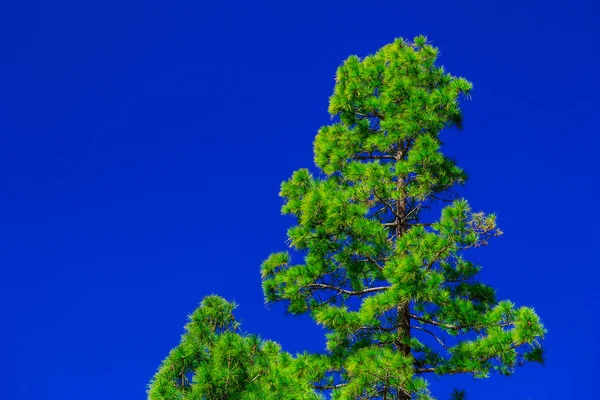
point(143, 144)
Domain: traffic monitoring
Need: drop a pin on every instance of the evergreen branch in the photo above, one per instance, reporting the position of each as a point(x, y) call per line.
point(377, 328)
point(442, 190)
point(415, 209)
point(388, 206)
point(436, 323)
point(255, 378)
point(373, 156)
point(348, 292)
point(438, 254)
point(432, 369)
point(442, 199)
point(376, 213)
point(425, 370)
point(466, 371)
point(374, 113)
point(432, 334)
point(374, 262)
point(329, 387)
point(456, 327)
point(424, 224)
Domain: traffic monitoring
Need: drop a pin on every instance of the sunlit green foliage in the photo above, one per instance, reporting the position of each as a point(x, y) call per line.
point(214, 362)
point(391, 283)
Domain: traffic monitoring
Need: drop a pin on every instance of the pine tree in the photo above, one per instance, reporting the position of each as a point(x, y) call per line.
point(215, 362)
point(387, 278)
point(390, 282)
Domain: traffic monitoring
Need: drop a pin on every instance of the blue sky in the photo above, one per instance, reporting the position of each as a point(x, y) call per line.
point(143, 144)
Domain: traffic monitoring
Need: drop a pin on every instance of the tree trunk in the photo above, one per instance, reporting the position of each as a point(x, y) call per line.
point(403, 315)
point(404, 335)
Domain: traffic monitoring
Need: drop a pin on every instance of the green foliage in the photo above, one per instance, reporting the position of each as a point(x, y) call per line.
point(386, 275)
point(390, 282)
point(458, 395)
point(213, 362)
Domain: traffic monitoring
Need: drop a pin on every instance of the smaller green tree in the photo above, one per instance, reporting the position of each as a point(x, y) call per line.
point(214, 361)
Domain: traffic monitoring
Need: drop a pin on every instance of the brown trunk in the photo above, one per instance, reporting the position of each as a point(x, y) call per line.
point(403, 316)
point(404, 335)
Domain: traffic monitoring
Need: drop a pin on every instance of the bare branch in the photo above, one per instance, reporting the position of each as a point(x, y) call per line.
point(345, 291)
point(415, 209)
point(374, 262)
point(454, 327)
point(432, 334)
point(372, 156)
point(388, 206)
point(436, 323)
point(329, 387)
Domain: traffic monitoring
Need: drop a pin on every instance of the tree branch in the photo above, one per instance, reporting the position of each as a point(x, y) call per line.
point(436, 323)
point(329, 387)
point(373, 157)
point(389, 207)
point(455, 327)
point(437, 255)
point(432, 334)
point(348, 292)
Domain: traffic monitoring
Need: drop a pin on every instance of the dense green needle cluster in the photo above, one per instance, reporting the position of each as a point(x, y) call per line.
point(388, 278)
point(215, 362)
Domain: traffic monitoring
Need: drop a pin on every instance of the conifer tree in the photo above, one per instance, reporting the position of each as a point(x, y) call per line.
point(389, 280)
point(215, 362)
